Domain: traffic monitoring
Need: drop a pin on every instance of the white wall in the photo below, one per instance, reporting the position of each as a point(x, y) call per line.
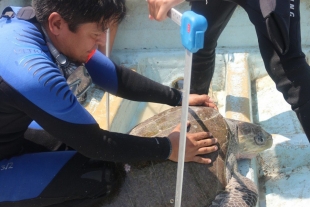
point(138, 32)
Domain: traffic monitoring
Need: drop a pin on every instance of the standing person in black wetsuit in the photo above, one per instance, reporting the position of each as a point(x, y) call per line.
point(277, 25)
point(72, 162)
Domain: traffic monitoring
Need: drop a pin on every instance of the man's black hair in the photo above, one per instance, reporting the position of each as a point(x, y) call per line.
point(76, 12)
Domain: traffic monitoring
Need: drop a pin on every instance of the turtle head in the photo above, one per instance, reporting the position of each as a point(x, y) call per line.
point(252, 140)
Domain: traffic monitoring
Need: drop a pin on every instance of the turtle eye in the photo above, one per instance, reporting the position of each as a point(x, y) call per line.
point(259, 139)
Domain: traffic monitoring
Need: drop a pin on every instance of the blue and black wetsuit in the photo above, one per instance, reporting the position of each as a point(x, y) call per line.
point(277, 25)
point(32, 88)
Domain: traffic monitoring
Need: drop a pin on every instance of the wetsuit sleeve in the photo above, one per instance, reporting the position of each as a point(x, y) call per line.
point(128, 84)
point(136, 87)
point(84, 134)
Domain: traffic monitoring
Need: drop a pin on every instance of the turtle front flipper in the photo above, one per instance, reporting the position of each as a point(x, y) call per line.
point(240, 191)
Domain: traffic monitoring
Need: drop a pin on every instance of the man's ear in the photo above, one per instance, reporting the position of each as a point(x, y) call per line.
point(56, 23)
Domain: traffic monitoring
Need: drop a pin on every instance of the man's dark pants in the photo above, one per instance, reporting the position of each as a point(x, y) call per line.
point(289, 70)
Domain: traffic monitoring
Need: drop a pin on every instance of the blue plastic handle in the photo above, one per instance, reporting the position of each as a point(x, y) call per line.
point(193, 27)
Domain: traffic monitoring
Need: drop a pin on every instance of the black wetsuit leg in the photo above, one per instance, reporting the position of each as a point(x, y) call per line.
point(48, 173)
point(217, 13)
point(289, 71)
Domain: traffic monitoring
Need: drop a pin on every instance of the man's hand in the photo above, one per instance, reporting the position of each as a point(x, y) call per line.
point(196, 144)
point(201, 100)
point(159, 8)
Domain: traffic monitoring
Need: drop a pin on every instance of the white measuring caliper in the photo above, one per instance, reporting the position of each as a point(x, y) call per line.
point(193, 27)
point(107, 52)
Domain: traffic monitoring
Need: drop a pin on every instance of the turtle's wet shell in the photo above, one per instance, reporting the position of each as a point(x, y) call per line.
point(201, 182)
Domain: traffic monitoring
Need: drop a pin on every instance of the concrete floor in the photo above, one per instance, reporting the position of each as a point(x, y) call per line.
point(154, 50)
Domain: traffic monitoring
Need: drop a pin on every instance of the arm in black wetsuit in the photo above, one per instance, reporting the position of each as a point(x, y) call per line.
point(128, 84)
point(88, 138)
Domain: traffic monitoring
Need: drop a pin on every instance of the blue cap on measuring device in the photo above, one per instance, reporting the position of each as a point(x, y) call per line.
point(193, 27)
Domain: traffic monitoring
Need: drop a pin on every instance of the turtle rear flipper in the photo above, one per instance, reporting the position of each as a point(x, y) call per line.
point(240, 192)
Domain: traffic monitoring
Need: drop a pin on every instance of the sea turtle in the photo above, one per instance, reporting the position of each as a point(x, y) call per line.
point(216, 184)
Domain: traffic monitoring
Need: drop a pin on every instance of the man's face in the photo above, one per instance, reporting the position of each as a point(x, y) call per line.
point(79, 44)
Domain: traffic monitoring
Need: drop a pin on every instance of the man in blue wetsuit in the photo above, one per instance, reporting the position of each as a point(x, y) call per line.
point(71, 162)
point(277, 25)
